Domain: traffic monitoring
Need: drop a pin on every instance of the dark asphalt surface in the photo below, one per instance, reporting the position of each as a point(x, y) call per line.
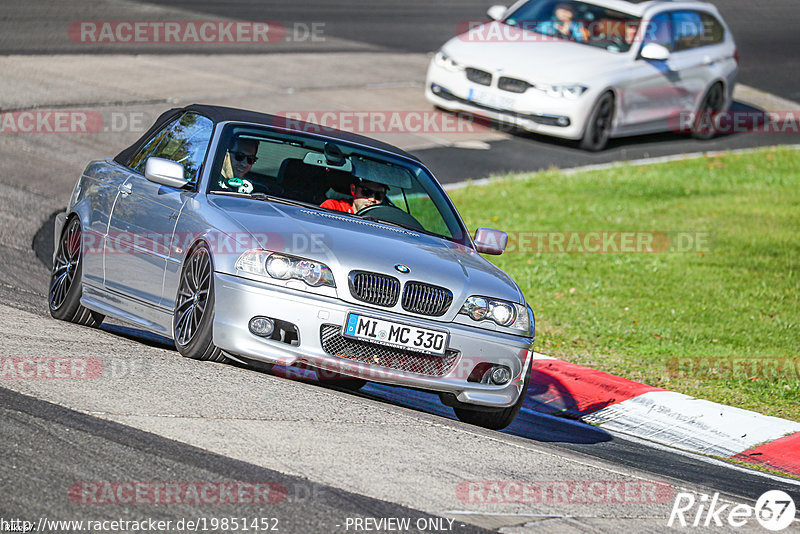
point(766, 34)
point(54, 448)
point(767, 37)
point(594, 442)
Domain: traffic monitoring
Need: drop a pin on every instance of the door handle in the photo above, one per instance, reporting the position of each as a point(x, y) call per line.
point(125, 189)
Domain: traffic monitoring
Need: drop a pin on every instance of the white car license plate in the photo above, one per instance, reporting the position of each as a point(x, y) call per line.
point(394, 334)
point(489, 98)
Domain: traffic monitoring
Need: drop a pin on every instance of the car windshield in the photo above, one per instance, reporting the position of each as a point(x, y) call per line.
point(580, 22)
point(324, 174)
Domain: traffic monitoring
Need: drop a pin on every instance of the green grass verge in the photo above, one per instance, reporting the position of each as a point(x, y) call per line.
point(721, 322)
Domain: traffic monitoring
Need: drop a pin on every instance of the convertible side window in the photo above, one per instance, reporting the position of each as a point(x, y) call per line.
point(185, 140)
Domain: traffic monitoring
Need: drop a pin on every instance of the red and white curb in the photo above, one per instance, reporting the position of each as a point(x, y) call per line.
point(673, 419)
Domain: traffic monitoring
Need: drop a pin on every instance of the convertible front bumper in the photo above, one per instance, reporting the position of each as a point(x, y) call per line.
point(319, 319)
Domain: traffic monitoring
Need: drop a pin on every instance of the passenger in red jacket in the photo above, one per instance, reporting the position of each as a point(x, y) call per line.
point(365, 194)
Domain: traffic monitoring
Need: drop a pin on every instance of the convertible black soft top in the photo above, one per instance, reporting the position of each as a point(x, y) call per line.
point(219, 114)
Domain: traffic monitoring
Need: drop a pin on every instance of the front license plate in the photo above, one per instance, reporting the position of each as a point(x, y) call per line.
point(394, 334)
point(489, 98)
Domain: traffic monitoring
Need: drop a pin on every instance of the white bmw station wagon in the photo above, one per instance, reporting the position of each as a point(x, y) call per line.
point(591, 70)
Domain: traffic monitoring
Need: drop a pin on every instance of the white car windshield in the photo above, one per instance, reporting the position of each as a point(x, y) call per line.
point(333, 175)
point(579, 22)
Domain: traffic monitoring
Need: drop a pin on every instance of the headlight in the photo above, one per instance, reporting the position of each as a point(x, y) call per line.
point(282, 267)
point(570, 92)
point(446, 62)
point(507, 314)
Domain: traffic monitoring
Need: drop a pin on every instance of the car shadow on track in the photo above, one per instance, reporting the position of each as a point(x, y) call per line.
point(530, 423)
point(549, 413)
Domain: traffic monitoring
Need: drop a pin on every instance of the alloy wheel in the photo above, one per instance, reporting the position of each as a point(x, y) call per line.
point(65, 265)
point(193, 295)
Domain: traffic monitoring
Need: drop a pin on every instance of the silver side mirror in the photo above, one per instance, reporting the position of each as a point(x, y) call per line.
point(496, 12)
point(655, 52)
point(165, 172)
point(490, 241)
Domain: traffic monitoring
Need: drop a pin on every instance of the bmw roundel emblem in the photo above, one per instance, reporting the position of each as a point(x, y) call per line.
point(400, 268)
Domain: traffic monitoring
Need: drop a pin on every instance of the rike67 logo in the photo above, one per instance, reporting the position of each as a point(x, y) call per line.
point(774, 511)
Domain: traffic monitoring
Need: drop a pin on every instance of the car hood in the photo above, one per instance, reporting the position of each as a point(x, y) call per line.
point(346, 243)
point(531, 56)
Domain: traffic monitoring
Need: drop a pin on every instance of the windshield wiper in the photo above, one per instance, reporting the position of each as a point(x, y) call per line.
point(230, 194)
point(401, 225)
point(370, 218)
point(266, 198)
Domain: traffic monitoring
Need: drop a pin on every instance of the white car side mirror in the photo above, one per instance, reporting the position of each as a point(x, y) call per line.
point(496, 12)
point(165, 172)
point(490, 241)
point(655, 52)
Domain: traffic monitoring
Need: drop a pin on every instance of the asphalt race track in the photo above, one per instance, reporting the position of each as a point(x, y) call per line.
point(330, 456)
point(767, 40)
point(767, 44)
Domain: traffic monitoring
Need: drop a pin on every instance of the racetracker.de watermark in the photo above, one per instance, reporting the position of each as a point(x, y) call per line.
point(563, 491)
point(79, 121)
point(621, 32)
point(607, 242)
point(72, 368)
point(164, 492)
point(200, 32)
point(49, 368)
point(218, 243)
point(737, 122)
point(381, 121)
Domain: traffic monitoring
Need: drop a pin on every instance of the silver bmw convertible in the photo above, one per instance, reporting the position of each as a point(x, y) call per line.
point(249, 237)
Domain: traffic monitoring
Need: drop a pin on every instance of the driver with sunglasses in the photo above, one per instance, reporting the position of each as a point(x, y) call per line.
point(365, 194)
point(238, 162)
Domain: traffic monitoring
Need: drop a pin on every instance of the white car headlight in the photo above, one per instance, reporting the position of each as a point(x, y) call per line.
point(282, 267)
point(507, 314)
point(570, 92)
point(446, 62)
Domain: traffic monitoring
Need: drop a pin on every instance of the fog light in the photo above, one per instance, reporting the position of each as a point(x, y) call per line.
point(562, 121)
point(436, 88)
point(261, 326)
point(500, 375)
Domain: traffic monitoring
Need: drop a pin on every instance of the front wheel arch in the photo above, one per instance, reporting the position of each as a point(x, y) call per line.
point(493, 418)
point(592, 139)
point(66, 279)
point(193, 314)
point(716, 91)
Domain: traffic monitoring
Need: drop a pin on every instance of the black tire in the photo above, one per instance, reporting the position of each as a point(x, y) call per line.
point(64, 295)
point(193, 318)
point(598, 127)
point(703, 124)
point(493, 419)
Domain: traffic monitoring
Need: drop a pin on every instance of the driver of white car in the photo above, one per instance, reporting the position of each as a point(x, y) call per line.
point(562, 25)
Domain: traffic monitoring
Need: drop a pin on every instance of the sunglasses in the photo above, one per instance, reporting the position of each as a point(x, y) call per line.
point(371, 193)
point(240, 156)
